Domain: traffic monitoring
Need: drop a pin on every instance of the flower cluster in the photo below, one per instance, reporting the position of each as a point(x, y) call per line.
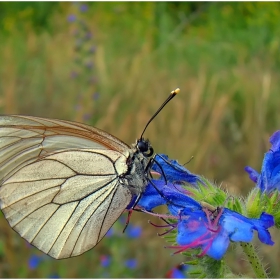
point(199, 224)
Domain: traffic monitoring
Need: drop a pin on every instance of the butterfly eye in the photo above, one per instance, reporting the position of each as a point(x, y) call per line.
point(144, 147)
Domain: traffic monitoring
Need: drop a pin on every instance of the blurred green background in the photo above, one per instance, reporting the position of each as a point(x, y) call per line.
point(111, 65)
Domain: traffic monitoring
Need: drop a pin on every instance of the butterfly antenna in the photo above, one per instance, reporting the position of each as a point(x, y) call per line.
point(192, 157)
point(172, 94)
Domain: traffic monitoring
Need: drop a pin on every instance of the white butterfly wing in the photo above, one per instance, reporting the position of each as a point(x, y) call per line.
point(62, 198)
point(24, 139)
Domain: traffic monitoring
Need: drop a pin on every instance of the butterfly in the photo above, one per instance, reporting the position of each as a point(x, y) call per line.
point(63, 184)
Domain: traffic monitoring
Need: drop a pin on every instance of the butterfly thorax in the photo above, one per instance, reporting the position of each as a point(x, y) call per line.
point(136, 177)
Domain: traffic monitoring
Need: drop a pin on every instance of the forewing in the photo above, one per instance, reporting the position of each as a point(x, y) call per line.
point(65, 202)
point(24, 139)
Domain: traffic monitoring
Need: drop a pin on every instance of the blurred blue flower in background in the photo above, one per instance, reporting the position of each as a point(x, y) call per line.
point(133, 231)
point(34, 261)
point(177, 272)
point(131, 263)
point(83, 8)
point(71, 18)
point(105, 260)
point(110, 232)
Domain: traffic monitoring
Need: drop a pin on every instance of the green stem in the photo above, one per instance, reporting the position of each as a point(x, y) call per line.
point(254, 260)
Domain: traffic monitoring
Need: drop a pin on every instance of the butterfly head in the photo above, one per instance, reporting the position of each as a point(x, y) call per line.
point(144, 146)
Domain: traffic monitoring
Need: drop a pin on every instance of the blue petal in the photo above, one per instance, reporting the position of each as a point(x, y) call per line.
point(261, 226)
point(270, 174)
point(219, 245)
point(173, 171)
point(151, 198)
point(269, 179)
point(192, 228)
point(237, 226)
point(240, 228)
point(275, 140)
point(253, 174)
point(174, 196)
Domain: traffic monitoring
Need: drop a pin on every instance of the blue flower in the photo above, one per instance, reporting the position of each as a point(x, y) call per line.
point(269, 179)
point(173, 171)
point(34, 261)
point(198, 226)
point(133, 231)
point(131, 263)
point(71, 18)
point(213, 231)
point(174, 196)
point(105, 260)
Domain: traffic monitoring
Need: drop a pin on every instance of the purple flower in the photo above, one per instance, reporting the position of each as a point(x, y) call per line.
point(71, 18)
point(105, 260)
point(34, 261)
point(269, 179)
point(83, 8)
point(131, 263)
